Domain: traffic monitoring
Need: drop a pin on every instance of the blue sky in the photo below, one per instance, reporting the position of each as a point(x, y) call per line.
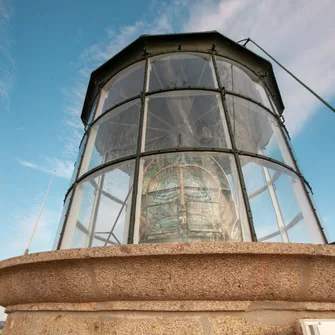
point(49, 48)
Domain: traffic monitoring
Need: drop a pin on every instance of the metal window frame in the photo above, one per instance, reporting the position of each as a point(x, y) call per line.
point(212, 54)
point(138, 156)
point(277, 117)
point(302, 179)
point(235, 153)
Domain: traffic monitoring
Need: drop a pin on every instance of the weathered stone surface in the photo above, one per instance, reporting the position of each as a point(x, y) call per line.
point(18, 325)
point(177, 271)
point(177, 306)
point(200, 288)
point(240, 326)
point(60, 324)
point(43, 282)
point(320, 279)
point(129, 323)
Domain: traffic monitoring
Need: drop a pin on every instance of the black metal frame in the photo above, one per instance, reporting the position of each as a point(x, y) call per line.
point(303, 181)
point(233, 144)
point(138, 156)
point(188, 42)
point(233, 151)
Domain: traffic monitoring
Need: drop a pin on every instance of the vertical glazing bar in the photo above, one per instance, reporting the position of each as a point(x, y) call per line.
point(95, 211)
point(218, 97)
point(302, 182)
point(275, 203)
point(127, 210)
point(237, 159)
point(240, 209)
point(136, 231)
point(136, 236)
point(138, 156)
point(98, 109)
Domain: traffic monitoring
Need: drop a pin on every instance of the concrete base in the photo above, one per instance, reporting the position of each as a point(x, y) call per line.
point(200, 288)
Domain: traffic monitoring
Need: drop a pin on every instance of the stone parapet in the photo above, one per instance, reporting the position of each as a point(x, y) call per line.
point(200, 287)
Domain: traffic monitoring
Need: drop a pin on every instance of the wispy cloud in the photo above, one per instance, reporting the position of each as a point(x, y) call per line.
point(23, 227)
point(7, 64)
point(298, 33)
point(22, 221)
point(166, 18)
point(31, 165)
point(63, 168)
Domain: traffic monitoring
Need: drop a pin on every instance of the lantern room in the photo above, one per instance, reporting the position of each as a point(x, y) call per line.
point(185, 142)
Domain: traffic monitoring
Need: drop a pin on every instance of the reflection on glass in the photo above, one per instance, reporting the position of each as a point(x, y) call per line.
point(181, 70)
point(279, 206)
point(113, 136)
point(256, 130)
point(101, 208)
point(61, 221)
point(77, 163)
point(185, 119)
point(240, 80)
point(126, 84)
point(191, 197)
point(225, 73)
point(243, 84)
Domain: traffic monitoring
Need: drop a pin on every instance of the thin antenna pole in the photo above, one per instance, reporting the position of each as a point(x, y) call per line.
point(39, 214)
point(290, 73)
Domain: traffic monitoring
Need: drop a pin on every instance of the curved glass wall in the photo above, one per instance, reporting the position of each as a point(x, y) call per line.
point(124, 85)
point(113, 135)
point(100, 208)
point(185, 196)
point(256, 130)
point(280, 208)
point(185, 119)
point(240, 80)
point(181, 70)
point(171, 157)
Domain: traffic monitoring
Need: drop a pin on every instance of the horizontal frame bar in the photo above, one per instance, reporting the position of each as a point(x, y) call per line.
point(180, 149)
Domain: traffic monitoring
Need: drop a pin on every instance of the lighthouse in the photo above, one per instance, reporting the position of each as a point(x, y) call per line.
point(187, 212)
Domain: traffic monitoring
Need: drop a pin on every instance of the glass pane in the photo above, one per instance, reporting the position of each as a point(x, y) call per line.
point(101, 208)
point(185, 119)
point(225, 73)
point(61, 221)
point(77, 163)
point(126, 84)
point(278, 203)
point(190, 197)
point(256, 130)
point(263, 213)
point(181, 70)
point(113, 136)
point(87, 191)
point(242, 83)
point(236, 78)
